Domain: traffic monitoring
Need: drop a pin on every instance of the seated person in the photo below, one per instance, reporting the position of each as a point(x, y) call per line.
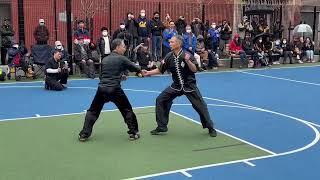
point(143, 56)
point(248, 48)
point(236, 49)
point(260, 49)
point(287, 50)
point(298, 49)
point(56, 73)
point(201, 50)
point(16, 55)
point(309, 49)
point(82, 55)
point(277, 51)
point(64, 54)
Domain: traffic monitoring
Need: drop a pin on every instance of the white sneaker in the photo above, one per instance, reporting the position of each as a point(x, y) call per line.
point(313, 61)
point(300, 62)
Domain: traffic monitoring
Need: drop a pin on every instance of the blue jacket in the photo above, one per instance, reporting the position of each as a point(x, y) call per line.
point(167, 35)
point(189, 40)
point(214, 35)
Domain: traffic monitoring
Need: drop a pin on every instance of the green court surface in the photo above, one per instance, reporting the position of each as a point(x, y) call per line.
point(48, 148)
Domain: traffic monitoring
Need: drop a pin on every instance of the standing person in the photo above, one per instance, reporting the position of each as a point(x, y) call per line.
point(123, 33)
point(83, 32)
point(132, 27)
point(156, 27)
point(182, 67)
point(181, 25)
point(7, 34)
point(109, 89)
point(41, 33)
point(103, 43)
point(167, 35)
point(225, 35)
point(143, 26)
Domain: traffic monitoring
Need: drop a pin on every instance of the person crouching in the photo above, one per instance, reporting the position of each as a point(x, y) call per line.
point(56, 73)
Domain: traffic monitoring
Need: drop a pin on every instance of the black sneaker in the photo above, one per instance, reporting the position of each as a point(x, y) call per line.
point(83, 137)
point(157, 131)
point(212, 132)
point(133, 137)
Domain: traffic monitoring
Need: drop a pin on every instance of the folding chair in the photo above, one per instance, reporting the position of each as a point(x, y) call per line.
point(40, 55)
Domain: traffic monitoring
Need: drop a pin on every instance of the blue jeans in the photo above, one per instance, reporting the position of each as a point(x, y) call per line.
point(156, 47)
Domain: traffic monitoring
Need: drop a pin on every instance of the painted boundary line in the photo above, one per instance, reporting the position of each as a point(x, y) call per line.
point(279, 78)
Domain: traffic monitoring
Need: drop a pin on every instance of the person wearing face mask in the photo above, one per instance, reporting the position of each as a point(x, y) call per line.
point(277, 51)
point(197, 27)
point(81, 32)
point(213, 38)
point(181, 25)
point(143, 26)
point(156, 27)
point(190, 45)
point(132, 27)
point(260, 49)
point(65, 57)
point(249, 49)
point(287, 51)
point(103, 43)
point(167, 34)
point(82, 56)
point(6, 37)
point(41, 33)
point(309, 49)
point(122, 33)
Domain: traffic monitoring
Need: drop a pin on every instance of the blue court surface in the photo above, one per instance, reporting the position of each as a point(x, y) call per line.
point(276, 110)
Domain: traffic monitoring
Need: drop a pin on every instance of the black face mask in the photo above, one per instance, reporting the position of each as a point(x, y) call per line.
point(156, 18)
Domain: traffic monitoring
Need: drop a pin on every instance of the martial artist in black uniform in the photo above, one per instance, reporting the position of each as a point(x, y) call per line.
point(56, 73)
point(109, 89)
point(182, 66)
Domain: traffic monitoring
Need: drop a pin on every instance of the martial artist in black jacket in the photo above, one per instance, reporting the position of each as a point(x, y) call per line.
point(182, 67)
point(109, 89)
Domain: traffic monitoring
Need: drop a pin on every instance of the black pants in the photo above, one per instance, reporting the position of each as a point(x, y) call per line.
point(118, 97)
point(4, 51)
point(56, 83)
point(164, 103)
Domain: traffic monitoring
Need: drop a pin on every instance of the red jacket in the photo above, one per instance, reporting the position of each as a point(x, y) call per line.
point(233, 45)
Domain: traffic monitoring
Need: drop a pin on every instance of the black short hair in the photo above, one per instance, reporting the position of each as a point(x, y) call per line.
point(156, 13)
point(115, 43)
point(81, 21)
point(104, 29)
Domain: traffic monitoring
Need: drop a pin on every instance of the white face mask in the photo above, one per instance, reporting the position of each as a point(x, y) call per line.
point(143, 14)
point(213, 26)
point(277, 42)
point(188, 30)
point(104, 33)
point(16, 46)
point(122, 26)
point(284, 42)
point(260, 41)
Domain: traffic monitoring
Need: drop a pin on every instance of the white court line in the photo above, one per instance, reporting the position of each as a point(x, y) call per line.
point(249, 163)
point(315, 141)
point(186, 174)
point(314, 124)
point(231, 162)
point(279, 78)
point(207, 72)
point(68, 114)
point(244, 141)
